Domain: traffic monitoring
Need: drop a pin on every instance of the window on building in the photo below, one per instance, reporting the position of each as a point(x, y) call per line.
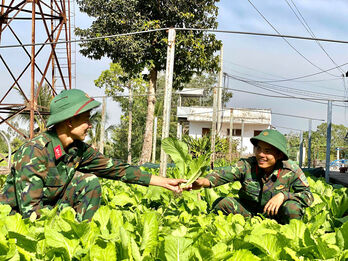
point(236, 132)
point(257, 132)
point(205, 131)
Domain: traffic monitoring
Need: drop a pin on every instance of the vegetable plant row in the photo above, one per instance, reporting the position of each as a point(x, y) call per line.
point(139, 223)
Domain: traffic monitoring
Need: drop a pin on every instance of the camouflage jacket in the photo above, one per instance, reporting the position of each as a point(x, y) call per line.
point(287, 178)
point(42, 169)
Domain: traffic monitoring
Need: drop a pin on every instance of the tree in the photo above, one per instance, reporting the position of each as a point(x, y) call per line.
point(43, 103)
point(318, 149)
point(117, 85)
point(195, 50)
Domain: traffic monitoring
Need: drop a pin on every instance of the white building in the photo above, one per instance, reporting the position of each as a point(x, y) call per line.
point(246, 123)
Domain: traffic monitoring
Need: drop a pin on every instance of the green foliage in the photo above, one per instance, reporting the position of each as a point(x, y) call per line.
point(189, 167)
point(140, 223)
point(194, 50)
point(338, 133)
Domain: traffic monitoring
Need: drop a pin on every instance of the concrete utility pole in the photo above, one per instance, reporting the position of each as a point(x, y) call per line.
point(219, 106)
point(102, 126)
point(301, 149)
point(154, 140)
point(213, 126)
point(328, 140)
point(309, 142)
point(231, 135)
point(130, 123)
point(242, 138)
point(167, 96)
point(216, 119)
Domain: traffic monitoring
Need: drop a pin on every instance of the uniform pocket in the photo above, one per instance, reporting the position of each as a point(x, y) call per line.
point(54, 179)
point(250, 190)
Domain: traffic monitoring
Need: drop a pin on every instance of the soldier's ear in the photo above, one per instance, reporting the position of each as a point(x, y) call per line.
point(68, 122)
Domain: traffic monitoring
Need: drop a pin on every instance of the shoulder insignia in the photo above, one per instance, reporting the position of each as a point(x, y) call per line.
point(279, 187)
point(58, 152)
point(303, 179)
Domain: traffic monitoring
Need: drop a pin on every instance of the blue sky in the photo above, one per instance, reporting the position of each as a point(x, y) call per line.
point(264, 58)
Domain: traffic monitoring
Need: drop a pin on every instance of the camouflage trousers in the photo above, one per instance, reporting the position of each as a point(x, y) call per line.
point(83, 194)
point(290, 209)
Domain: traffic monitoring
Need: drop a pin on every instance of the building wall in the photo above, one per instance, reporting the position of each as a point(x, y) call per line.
point(195, 130)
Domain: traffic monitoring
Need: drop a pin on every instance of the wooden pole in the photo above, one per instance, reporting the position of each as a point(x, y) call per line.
point(167, 96)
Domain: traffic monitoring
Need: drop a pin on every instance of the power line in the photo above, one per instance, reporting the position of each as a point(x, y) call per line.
point(284, 95)
point(185, 29)
point(285, 38)
point(308, 29)
point(285, 89)
point(309, 82)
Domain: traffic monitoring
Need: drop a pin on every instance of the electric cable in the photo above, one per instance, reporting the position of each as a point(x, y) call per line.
point(287, 40)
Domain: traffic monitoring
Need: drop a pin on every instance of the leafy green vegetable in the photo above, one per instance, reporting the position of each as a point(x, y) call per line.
point(188, 167)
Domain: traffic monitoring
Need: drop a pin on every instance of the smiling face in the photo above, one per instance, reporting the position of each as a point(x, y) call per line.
point(266, 155)
point(80, 125)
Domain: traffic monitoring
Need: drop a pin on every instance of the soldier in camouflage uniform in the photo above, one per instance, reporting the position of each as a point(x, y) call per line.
point(58, 168)
point(271, 183)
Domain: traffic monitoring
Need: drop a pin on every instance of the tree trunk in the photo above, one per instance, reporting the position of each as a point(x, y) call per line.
point(151, 100)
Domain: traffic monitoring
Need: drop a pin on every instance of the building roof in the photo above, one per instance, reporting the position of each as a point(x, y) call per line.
point(191, 92)
point(257, 116)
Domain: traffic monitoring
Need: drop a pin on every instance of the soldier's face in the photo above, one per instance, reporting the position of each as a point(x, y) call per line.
point(266, 155)
point(80, 125)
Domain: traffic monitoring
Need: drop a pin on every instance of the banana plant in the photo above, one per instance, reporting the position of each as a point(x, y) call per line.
point(188, 167)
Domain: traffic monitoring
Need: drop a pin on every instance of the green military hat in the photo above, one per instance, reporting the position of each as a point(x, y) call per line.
point(69, 103)
point(273, 137)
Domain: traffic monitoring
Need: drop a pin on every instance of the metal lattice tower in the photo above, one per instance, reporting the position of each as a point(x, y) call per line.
point(31, 57)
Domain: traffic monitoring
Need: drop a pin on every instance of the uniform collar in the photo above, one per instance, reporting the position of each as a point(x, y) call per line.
point(56, 144)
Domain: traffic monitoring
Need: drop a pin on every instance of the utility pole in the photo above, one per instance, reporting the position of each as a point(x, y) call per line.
point(216, 112)
point(213, 127)
point(328, 141)
point(242, 138)
point(309, 142)
point(231, 135)
point(219, 106)
point(130, 123)
point(301, 149)
point(154, 140)
point(167, 96)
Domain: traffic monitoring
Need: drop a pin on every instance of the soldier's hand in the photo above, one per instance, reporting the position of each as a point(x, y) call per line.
point(198, 184)
point(273, 205)
point(174, 185)
point(171, 184)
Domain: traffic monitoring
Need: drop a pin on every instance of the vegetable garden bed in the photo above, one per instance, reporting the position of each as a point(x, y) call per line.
point(139, 223)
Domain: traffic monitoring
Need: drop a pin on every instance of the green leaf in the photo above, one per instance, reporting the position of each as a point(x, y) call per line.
point(122, 199)
point(271, 245)
point(197, 167)
point(178, 248)
point(56, 240)
point(178, 151)
point(150, 233)
point(103, 251)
